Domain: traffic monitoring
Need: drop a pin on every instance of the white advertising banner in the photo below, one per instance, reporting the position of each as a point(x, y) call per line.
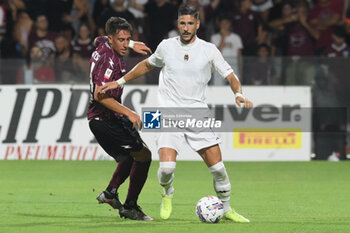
point(49, 122)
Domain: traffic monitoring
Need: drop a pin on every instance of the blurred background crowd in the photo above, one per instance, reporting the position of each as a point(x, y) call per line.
point(279, 38)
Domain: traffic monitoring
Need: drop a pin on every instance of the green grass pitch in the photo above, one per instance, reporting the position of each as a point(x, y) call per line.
point(59, 196)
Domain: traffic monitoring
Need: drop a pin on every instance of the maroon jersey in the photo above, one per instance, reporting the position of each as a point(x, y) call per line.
point(326, 13)
point(46, 43)
point(105, 66)
point(83, 50)
point(338, 66)
point(246, 25)
point(337, 51)
point(300, 42)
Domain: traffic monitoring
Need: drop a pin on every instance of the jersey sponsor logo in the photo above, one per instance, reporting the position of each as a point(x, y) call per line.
point(152, 119)
point(186, 57)
point(108, 74)
point(267, 138)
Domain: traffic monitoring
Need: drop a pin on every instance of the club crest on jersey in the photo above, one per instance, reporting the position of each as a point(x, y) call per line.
point(108, 74)
point(186, 57)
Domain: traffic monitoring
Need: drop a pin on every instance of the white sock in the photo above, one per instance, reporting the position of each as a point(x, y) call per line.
point(227, 206)
point(166, 176)
point(222, 184)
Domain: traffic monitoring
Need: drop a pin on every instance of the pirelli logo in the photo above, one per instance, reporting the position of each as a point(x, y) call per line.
point(267, 138)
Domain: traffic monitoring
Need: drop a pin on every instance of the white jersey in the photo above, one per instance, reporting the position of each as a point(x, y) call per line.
point(186, 71)
point(232, 44)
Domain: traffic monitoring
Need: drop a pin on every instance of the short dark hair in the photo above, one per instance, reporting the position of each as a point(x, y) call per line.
point(241, 1)
point(39, 14)
point(62, 35)
point(116, 24)
point(224, 17)
point(339, 31)
point(188, 10)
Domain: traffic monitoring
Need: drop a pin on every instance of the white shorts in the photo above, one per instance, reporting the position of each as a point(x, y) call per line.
point(196, 141)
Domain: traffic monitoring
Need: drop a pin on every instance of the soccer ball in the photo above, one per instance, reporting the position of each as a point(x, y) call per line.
point(210, 209)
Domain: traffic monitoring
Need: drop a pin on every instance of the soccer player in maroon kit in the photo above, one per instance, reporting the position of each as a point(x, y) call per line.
point(113, 124)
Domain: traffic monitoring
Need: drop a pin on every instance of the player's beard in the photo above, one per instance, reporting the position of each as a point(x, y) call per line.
point(188, 40)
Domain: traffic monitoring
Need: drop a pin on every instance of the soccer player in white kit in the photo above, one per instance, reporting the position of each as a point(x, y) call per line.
point(187, 63)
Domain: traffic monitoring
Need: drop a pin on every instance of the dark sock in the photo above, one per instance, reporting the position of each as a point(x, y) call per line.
point(138, 176)
point(121, 173)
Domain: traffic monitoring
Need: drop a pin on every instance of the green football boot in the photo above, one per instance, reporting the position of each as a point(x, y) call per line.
point(166, 207)
point(234, 217)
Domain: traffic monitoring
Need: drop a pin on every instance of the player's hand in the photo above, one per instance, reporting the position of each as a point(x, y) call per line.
point(241, 100)
point(140, 47)
point(135, 120)
point(108, 86)
point(99, 95)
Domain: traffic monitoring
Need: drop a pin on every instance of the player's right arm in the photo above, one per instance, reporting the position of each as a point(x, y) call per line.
point(140, 69)
point(143, 67)
point(236, 87)
point(99, 65)
point(113, 105)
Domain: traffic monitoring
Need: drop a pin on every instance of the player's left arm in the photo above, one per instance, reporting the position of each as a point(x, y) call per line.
point(237, 90)
point(139, 47)
point(225, 70)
